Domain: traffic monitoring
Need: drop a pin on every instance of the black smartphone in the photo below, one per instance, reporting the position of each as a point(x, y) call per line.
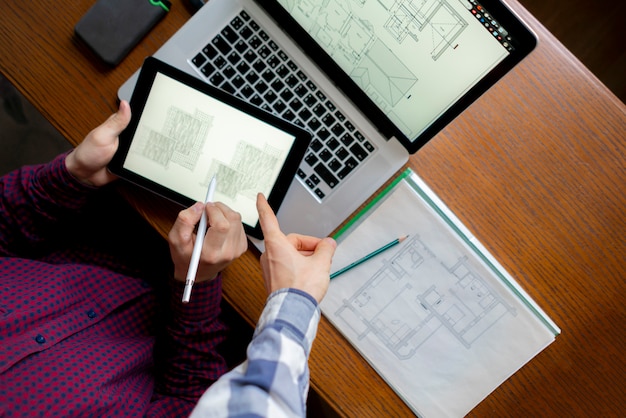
point(111, 28)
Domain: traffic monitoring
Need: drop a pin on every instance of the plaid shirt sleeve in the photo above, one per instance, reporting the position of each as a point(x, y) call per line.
point(274, 380)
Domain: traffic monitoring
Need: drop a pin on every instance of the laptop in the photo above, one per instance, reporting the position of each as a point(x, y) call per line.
point(372, 80)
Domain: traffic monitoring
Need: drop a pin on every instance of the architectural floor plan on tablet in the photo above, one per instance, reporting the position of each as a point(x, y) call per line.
point(184, 137)
point(436, 315)
point(181, 140)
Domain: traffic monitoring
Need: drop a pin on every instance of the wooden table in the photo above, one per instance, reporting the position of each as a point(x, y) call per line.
point(535, 169)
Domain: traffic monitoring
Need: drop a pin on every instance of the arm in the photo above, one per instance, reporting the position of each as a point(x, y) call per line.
point(274, 379)
point(193, 330)
point(34, 199)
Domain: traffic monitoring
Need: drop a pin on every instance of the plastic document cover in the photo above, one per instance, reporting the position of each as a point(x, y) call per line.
point(437, 316)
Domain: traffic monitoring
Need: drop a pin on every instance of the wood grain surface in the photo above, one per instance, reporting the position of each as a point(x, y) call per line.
point(536, 169)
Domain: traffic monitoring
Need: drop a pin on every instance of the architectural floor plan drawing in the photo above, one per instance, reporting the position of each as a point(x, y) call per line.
point(436, 315)
point(431, 21)
point(180, 139)
point(411, 310)
point(367, 38)
point(250, 170)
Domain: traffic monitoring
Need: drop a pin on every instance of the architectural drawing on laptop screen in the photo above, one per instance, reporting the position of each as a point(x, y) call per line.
point(373, 80)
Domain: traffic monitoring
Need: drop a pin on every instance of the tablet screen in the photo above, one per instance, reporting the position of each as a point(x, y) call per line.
point(184, 136)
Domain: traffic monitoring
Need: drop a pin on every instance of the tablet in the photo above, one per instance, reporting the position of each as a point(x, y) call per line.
point(184, 131)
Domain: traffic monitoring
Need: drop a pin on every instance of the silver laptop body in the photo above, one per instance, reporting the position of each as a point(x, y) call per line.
point(309, 209)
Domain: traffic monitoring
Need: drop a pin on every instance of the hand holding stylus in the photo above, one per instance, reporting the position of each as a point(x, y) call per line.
point(219, 240)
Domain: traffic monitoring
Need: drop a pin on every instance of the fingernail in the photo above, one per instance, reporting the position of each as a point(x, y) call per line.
point(197, 207)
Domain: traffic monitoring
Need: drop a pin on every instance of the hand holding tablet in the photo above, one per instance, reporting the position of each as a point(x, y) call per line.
point(184, 132)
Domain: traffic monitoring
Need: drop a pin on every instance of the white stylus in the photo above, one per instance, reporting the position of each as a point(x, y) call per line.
point(197, 246)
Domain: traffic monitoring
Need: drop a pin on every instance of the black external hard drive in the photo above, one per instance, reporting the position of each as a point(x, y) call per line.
point(111, 28)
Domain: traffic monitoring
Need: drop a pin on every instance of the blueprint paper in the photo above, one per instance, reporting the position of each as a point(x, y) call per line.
point(438, 321)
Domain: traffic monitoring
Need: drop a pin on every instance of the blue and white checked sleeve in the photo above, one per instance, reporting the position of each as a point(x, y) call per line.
point(274, 379)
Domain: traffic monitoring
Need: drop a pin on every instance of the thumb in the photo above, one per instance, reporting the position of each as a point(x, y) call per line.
point(118, 121)
point(326, 249)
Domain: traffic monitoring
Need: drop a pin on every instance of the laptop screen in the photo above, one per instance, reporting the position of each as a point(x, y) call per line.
point(414, 60)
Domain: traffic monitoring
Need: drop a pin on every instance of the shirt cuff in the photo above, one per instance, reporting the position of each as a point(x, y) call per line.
point(204, 301)
point(294, 313)
point(60, 185)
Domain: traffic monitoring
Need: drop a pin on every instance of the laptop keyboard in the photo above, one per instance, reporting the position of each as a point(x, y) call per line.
point(243, 60)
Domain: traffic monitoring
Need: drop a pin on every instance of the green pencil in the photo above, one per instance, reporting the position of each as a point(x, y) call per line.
point(367, 257)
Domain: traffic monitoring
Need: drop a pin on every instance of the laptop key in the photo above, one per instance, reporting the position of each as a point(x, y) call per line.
point(273, 61)
point(332, 144)
point(208, 69)
point(314, 179)
point(198, 60)
point(209, 51)
point(289, 115)
point(255, 42)
point(246, 32)
point(300, 90)
point(252, 77)
point(279, 106)
point(229, 72)
point(325, 155)
point(347, 168)
point(246, 91)
point(282, 71)
point(347, 139)
point(228, 87)
point(316, 145)
point(265, 52)
point(230, 35)
point(268, 75)
point(358, 151)
point(342, 153)
point(256, 100)
point(291, 81)
point(323, 134)
point(270, 96)
point(311, 159)
point(250, 56)
point(216, 79)
point(334, 164)
point(314, 124)
point(241, 46)
point(238, 81)
point(319, 110)
point(295, 104)
point(219, 62)
point(310, 100)
point(261, 87)
point(221, 44)
point(326, 175)
point(233, 58)
point(237, 23)
point(277, 85)
point(305, 114)
point(337, 129)
point(243, 67)
point(259, 66)
point(286, 95)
